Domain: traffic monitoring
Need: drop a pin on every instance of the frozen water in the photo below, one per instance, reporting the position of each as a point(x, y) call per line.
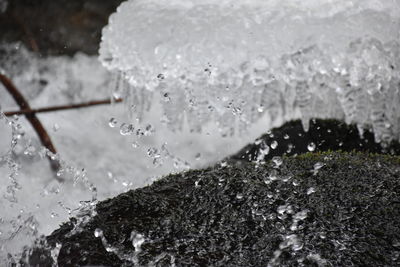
point(231, 62)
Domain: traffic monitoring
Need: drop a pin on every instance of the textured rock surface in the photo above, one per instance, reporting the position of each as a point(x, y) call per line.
point(316, 209)
point(291, 139)
point(240, 216)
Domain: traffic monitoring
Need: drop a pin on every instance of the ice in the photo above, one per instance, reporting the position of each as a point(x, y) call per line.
point(233, 62)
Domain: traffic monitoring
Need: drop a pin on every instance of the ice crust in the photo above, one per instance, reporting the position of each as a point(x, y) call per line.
point(231, 62)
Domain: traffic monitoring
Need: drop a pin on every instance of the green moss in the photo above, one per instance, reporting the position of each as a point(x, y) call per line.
point(327, 135)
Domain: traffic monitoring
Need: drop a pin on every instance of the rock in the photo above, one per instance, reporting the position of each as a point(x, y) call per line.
point(323, 135)
point(321, 209)
point(314, 209)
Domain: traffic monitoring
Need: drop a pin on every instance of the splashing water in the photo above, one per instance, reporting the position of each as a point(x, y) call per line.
point(97, 160)
point(231, 62)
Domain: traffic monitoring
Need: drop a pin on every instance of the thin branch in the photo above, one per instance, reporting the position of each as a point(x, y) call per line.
point(26, 111)
point(31, 117)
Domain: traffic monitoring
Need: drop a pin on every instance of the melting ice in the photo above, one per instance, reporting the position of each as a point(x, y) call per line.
point(232, 62)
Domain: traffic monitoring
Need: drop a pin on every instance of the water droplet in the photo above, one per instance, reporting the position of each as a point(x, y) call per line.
point(116, 95)
point(125, 184)
point(181, 164)
point(297, 246)
point(30, 150)
point(302, 215)
point(239, 196)
point(149, 130)
point(274, 144)
point(264, 150)
point(267, 180)
point(98, 232)
point(282, 209)
point(322, 235)
point(273, 175)
point(310, 190)
point(290, 147)
point(278, 161)
point(396, 243)
point(152, 152)
point(311, 146)
point(56, 127)
point(135, 144)
point(166, 97)
point(286, 178)
point(198, 156)
point(291, 241)
point(112, 122)
point(286, 137)
point(137, 240)
point(295, 182)
point(126, 129)
point(317, 166)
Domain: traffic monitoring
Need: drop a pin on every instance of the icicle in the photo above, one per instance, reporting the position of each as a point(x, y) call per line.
point(233, 69)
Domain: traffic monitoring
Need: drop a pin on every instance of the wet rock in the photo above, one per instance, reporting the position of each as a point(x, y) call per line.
point(323, 135)
point(317, 209)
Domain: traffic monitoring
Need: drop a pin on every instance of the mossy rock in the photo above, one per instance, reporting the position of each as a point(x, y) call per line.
point(242, 214)
point(319, 209)
point(323, 135)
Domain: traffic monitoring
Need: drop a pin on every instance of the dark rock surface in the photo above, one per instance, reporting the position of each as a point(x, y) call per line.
point(327, 135)
point(56, 26)
point(316, 209)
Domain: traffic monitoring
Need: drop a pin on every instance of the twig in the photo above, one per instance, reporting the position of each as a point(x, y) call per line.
point(27, 111)
point(31, 117)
